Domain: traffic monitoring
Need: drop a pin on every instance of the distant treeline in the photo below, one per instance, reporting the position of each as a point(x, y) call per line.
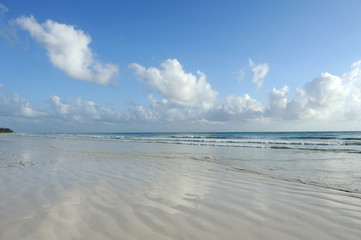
point(6, 130)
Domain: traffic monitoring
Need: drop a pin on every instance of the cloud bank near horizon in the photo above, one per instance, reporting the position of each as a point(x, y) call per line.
point(325, 98)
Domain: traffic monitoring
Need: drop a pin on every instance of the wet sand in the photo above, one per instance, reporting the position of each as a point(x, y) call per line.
point(50, 190)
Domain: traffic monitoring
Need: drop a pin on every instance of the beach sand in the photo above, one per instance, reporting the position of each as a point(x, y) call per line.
point(52, 189)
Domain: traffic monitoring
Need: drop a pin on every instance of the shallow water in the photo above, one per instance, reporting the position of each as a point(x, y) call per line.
point(102, 187)
point(326, 159)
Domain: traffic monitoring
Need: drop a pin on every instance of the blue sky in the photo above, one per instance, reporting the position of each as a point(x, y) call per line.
point(100, 66)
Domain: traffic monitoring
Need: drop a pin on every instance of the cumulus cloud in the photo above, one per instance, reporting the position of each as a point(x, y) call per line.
point(259, 72)
point(242, 108)
point(164, 110)
point(319, 98)
point(326, 97)
point(140, 113)
point(352, 86)
point(278, 100)
point(60, 108)
point(13, 105)
point(177, 86)
point(68, 49)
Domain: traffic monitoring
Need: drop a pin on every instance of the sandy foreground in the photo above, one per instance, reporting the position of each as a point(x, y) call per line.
point(82, 194)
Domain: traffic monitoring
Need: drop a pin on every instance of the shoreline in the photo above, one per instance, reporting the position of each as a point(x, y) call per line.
point(145, 193)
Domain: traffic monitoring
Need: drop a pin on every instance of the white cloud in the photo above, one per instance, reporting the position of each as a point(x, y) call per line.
point(3, 9)
point(176, 85)
point(242, 108)
point(327, 97)
point(13, 105)
point(140, 113)
point(242, 73)
point(278, 100)
point(352, 82)
point(165, 110)
point(68, 49)
point(259, 72)
point(82, 111)
point(319, 98)
point(1, 85)
point(60, 108)
point(7, 31)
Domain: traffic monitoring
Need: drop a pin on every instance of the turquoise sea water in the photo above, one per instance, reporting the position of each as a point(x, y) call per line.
point(324, 159)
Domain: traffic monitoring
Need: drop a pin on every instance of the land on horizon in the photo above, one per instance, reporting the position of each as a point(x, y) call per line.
point(6, 130)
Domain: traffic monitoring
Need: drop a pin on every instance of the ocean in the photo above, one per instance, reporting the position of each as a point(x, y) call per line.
point(136, 184)
point(325, 159)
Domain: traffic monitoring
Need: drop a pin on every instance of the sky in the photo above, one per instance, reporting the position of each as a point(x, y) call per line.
point(180, 66)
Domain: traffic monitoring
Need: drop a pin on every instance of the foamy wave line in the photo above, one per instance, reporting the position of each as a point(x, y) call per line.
point(231, 141)
point(331, 146)
point(256, 145)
